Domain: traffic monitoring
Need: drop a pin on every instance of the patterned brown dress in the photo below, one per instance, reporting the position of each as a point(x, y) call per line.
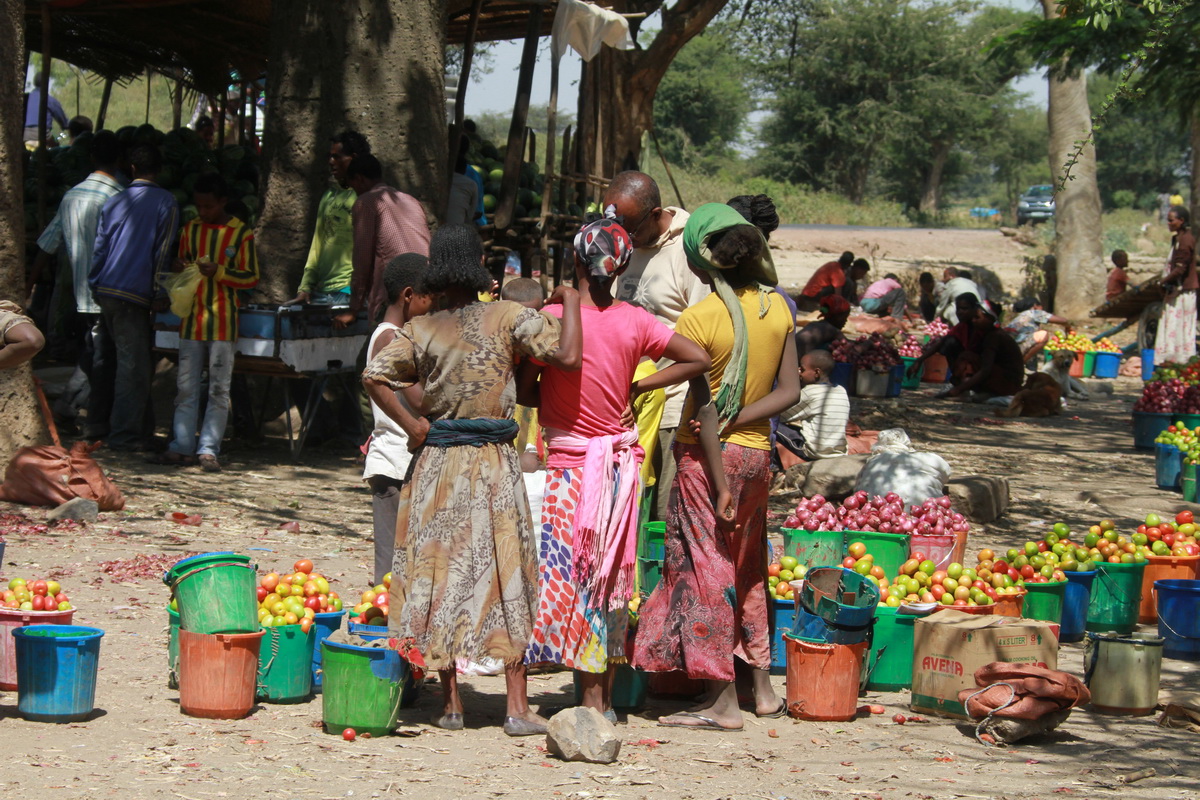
point(465, 568)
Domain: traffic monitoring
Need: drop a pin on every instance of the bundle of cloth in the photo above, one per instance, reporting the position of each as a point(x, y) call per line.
point(1013, 701)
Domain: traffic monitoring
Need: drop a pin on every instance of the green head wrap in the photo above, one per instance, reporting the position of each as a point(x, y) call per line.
point(709, 219)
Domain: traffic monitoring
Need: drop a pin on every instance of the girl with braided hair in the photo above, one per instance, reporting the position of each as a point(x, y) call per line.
point(465, 562)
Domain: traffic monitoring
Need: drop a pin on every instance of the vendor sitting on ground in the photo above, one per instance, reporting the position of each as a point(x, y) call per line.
point(885, 298)
point(962, 337)
point(1026, 326)
point(927, 302)
point(994, 367)
point(839, 277)
point(1118, 278)
point(820, 335)
point(815, 427)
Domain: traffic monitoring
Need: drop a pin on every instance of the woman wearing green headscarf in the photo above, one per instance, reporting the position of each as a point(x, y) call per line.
point(711, 606)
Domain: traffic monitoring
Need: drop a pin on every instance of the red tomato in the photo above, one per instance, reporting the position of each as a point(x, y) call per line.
point(1184, 518)
point(849, 561)
point(381, 601)
point(261, 593)
point(312, 603)
point(303, 565)
point(1027, 571)
point(38, 602)
point(349, 735)
point(38, 587)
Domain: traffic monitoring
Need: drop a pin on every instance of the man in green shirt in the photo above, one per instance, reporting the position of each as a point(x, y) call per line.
point(326, 279)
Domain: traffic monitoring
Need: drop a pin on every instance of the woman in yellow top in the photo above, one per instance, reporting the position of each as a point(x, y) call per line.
point(711, 606)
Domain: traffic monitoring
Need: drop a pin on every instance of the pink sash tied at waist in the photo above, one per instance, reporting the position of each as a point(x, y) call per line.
point(604, 537)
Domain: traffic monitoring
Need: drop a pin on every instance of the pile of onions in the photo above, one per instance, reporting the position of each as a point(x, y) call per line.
point(910, 347)
point(860, 512)
point(1162, 397)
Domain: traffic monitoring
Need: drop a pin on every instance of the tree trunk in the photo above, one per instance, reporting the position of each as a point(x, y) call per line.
point(1078, 225)
point(18, 405)
point(1194, 136)
point(627, 80)
point(375, 68)
point(931, 189)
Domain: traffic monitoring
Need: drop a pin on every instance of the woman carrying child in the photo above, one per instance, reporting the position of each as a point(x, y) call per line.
point(710, 609)
point(590, 513)
point(465, 580)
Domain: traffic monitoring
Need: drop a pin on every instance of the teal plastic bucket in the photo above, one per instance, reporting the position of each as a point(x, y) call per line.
point(889, 549)
point(1147, 425)
point(215, 593)
point(364, 688)
point(913, 382)
point(652, 544)
point(1168, 465)
point(890, 657)
point(172, 649)
point(56, 671)
point(285, 664)
point(1147, 364)
point(649, 574)
point(814, 548)
point(781, 616)
point(1116, 598)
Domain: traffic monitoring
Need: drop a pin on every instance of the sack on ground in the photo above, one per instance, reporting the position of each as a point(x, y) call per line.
point(48, 475)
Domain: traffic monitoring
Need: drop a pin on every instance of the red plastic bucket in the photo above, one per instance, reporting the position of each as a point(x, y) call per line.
point(12, 618)
point(218, 673)
point(823, 679)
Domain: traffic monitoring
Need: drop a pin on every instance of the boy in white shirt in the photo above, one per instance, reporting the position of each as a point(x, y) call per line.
point(816, 426)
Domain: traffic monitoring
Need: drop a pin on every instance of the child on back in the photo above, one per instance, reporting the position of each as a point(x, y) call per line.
point(589, 519)
point(222, 249)
point(816, 426)
point(388, 457)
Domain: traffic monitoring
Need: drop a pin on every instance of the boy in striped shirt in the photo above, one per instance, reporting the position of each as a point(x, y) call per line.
point(222, 247)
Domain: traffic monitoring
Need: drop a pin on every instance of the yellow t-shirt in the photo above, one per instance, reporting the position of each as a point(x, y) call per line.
point(648, 412)
point(708, 324)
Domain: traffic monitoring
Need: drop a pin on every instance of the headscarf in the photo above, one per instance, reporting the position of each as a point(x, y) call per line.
point(709, 219)
point(834, 304)
point(604, 247)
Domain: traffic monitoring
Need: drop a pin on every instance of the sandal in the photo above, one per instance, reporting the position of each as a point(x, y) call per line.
point(706, 723)
point(776, 714)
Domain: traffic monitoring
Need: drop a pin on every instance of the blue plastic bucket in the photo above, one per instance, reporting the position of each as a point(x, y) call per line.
point(1168, 464)
point(781, 617)
point(324, 626)
point(1108, 365)
point(810, 626)
point(1076, 596)
point(1179, 617)
point(843, 376)
point(368, 632)
point(1147, 364)
point(56, 671)
point(895, 380)
point(1147, 425)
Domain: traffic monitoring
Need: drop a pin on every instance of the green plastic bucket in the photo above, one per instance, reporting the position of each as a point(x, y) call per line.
point(1044, 601)
point(815, 548)
point(652, 543)
point(1116, 597)
point(363, 688)
point(172, 649)
point(215, 593)
point(649, 573)
point(913, 381)
point(285, 664)
point(889, 661)
point(1089, 363)
point(889, 549)
point(1187, 482)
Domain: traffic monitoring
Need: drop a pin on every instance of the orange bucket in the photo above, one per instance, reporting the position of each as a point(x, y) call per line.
point(936, 367)
point(1009, 605)
point(822, 679)
point(1160, 568)
point(218, 673)
point(1077, 365)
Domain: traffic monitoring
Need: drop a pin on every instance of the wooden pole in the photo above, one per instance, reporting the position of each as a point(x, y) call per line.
point(149, 84)
point(516, 130)
point(548, 182)
point(43, 152)
point(241, 115)
point(176, 100)
point(667, 167)
point(460, 95)
point(104, 96)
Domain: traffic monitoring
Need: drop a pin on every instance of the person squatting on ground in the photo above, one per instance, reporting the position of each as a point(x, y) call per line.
point(589, 523)
point(710, 610)
point(465, 567)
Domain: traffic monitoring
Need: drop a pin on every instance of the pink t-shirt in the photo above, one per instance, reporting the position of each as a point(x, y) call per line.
point(590, 401)
point(881, 287)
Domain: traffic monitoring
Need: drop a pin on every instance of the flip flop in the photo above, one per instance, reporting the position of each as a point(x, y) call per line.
point(709, 724)
point(776, 714)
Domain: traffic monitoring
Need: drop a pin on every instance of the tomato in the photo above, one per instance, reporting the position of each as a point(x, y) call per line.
point(773, 570)
point(349, 735)
point(38, 602)
point(1184, 518)
point(310, 589)
point(299, 579)
point(312, 602)
point(290, 618)
point(848, 562)
point(261, 593)
point(39, 587)
point(335, 604)
point(306, 625)
point(53, 588)
point(270, 581)
point(381, 600)
point(369, 596)
point(303, 565)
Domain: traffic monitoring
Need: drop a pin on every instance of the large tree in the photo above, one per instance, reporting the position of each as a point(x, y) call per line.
point(375, 67)
point(18, 401)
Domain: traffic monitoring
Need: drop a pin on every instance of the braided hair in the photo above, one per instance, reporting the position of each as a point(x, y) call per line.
point(455, 260)
point(759, 210)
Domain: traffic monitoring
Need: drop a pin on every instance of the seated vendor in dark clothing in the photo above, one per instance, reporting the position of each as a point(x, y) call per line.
point(820, 335)
point(993, 366)
point(963, 337)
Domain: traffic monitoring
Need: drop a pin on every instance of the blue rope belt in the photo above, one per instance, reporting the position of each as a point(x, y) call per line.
point(470, 432)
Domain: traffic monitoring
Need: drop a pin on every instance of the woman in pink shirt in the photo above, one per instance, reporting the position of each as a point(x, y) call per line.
point(588, 533)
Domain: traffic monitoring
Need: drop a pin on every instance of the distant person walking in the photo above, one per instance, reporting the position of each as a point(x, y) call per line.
point(54, 112)
point(1176, 340)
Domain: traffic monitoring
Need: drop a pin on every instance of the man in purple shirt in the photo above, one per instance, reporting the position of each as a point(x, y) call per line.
point(54, 112)
point(133, 245)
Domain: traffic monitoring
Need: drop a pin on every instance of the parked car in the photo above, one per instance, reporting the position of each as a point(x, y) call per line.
point(1036, 205)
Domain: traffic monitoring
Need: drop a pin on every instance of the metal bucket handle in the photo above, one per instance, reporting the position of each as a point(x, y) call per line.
point(1164, 623)
point(175, 583)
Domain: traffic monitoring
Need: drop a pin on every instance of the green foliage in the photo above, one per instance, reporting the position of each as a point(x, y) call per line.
point(492, 126)
point(702, 102)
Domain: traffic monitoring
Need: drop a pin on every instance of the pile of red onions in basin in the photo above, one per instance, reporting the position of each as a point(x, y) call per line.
point(860, 512)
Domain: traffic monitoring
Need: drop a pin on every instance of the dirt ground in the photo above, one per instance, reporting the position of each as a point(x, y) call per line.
point(1076, 468)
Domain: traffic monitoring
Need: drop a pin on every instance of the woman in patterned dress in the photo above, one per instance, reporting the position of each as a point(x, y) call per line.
point(465, 568)
point(589, 517)
point(1176, 340)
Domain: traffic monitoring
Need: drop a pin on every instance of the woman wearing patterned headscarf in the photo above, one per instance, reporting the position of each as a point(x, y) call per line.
point(710, 607)
point(590, 512)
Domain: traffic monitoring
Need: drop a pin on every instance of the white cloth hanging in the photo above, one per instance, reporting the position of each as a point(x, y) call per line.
point(585, 28)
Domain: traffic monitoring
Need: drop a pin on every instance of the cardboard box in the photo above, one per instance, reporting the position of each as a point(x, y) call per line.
point(948, 646)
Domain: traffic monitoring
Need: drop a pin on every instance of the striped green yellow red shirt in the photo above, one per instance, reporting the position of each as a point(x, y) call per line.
point(214, 316)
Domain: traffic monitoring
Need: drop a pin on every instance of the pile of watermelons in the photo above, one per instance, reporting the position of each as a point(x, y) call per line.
point(185, 158)
point(487, 161)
